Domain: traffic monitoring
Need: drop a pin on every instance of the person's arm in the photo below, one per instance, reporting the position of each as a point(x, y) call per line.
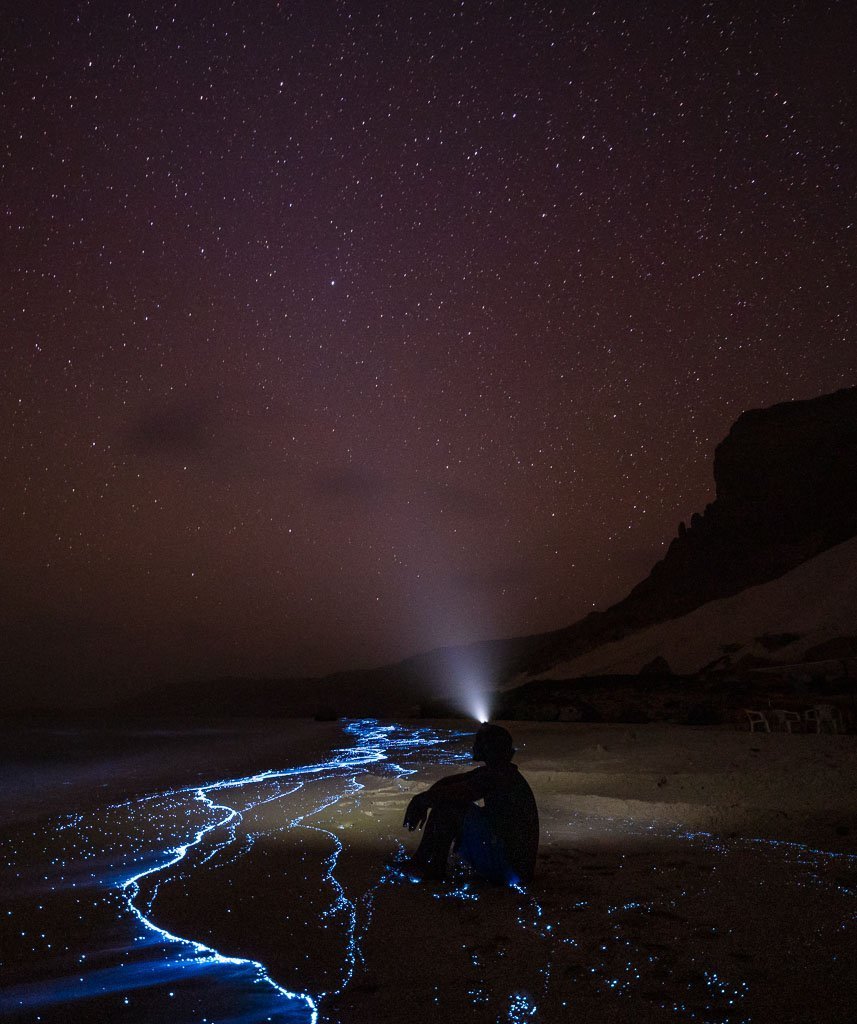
point(465, 788)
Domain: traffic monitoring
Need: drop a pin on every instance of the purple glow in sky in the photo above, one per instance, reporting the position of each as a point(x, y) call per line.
point(336, 332)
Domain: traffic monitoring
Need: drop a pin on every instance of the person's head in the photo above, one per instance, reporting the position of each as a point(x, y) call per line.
point(493, 744)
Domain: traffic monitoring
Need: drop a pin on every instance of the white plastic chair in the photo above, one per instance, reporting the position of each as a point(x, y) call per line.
point(822, 718)
point(786, 720)
point(757, 718)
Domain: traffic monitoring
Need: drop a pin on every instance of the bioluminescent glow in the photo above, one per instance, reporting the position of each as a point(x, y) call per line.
point(151, 970)
point(91, 930)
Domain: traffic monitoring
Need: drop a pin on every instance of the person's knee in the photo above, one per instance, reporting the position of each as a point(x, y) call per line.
point(448, 817)
point(456, 811)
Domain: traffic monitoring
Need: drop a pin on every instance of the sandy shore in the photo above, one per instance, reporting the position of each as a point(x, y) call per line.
point(635, 914)
point(773, 785)
point(631, 917)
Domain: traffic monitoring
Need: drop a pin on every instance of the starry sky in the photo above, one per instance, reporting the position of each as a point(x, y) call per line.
point(336, 331)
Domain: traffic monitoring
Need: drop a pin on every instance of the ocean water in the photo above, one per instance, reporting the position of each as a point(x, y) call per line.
point(100, 823)
point(237, 873)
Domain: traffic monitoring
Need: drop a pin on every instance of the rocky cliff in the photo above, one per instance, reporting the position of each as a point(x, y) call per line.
point(786, 490)
point(786, 480)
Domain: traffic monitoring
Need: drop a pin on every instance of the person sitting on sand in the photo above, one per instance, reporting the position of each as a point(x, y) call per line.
point(499, 840)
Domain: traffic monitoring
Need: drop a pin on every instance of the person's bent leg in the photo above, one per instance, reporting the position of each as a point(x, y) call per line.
point(441, 830)
point(481, 849)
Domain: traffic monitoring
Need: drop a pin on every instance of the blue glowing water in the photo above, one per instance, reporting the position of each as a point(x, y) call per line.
point(102, 874)
point(626, 921)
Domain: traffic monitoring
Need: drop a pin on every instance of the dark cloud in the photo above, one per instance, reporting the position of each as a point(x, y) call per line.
point(180, 427)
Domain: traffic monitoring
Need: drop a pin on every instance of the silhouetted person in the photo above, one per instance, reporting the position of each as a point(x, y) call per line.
point(499, 840)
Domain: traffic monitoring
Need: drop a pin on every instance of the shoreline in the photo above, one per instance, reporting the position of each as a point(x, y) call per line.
point(626, 920)
point(796, 787)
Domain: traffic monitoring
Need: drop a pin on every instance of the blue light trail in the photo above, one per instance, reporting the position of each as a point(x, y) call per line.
point(113, 865)
point(102, 923)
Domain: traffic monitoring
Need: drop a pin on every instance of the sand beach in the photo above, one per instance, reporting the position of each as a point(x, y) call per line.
point(684, 874)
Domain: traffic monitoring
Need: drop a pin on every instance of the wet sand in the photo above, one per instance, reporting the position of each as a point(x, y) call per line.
point(635, 915)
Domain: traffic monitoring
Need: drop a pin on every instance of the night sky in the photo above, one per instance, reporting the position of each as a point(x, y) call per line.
point(333, 332)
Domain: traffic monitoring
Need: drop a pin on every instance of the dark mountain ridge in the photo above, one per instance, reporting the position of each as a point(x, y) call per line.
point(786, 490)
